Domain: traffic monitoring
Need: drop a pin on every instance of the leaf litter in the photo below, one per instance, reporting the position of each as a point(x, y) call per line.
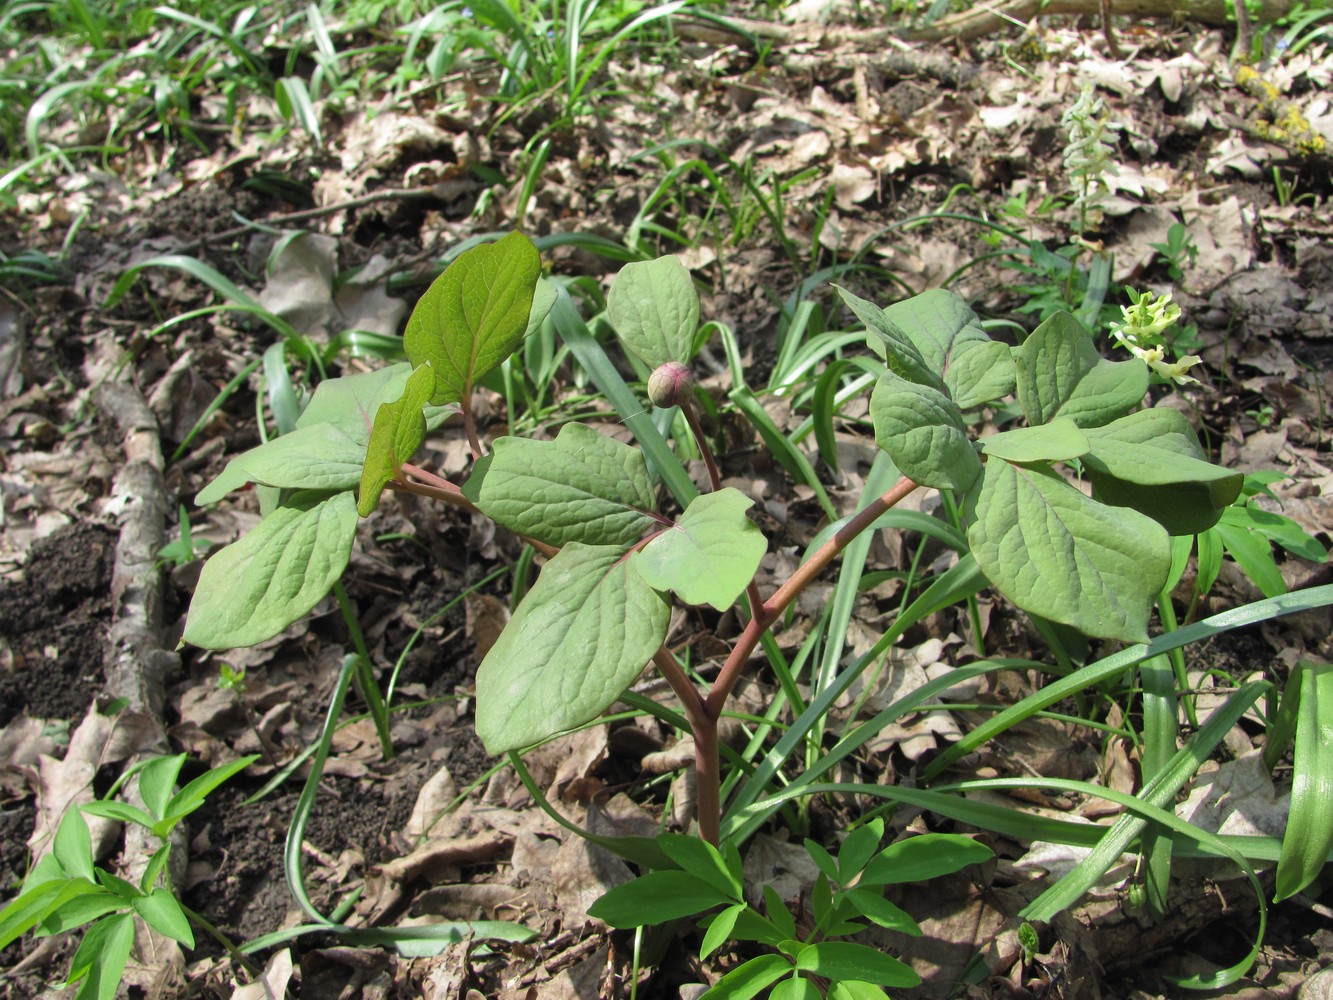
point(886, 138)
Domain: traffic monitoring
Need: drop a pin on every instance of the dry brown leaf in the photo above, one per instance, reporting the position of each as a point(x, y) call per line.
point(272, 982)
point(98, 741)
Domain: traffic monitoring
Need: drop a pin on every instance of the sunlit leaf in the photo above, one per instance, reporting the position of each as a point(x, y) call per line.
point(581, 636)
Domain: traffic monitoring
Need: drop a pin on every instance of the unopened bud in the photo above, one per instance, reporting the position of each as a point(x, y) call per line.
point(671, 384)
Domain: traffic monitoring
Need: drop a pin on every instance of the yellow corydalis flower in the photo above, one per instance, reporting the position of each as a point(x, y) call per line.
point(1142, 334)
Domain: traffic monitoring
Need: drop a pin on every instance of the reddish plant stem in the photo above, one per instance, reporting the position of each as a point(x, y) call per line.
point(416, 472)
point(470, 425)
point(690, 698)
point(692, 418)
point(707, 766)
point(450, 496)
point(772, 608)
point(704, 713)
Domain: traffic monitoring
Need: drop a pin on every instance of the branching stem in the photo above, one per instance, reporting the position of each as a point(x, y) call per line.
point(704, 713)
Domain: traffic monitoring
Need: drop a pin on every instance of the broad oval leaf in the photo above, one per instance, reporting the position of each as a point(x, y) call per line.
point(474, 315)
point(656, 898)
point(891, 342)
point(581, 487)
point(1152, 461)
point(872, 905)
point(980, 372)
point(938, 322)
point(399, 429)
point(923, 432)
point(1059, 372)
point(349, 402)
point(314, 457)
point(254, 588)
point(795, 988)
point(581, 636)
point(710, 555)
point(1056, 553)
point(654, 309)
point(1058, 441)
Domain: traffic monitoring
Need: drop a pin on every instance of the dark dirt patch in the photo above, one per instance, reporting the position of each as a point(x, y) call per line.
point(247, 894)
point(55, 624)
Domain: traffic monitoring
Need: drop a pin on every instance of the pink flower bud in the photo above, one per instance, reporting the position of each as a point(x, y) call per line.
point(671, 384)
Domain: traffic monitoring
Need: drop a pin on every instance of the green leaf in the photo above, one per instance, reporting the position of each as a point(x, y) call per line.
point(848, 960)
point(857, 849)
point(1058, 441)
point(795, 988)
point(777, 911)
point(938, 323)
point(83, 908)
point(317, 457)
point(36, 902)
point(73, 844)
point(750, 926)
point(543, 299)
point(654, 309)
point(928, 856)
point(719, 930)
point(192, 796)
point(892, 343)
point(923, 432)
point(474, 315)
point(1252, 553)
point(122, 812)
point(348, 403)
point(701, 859)
point(656, 898)
point(581, 487)
point(980, 372)
point(749, 980)
point(400, 427)
point(100, 959)
point(157, 780)
point(872, 905)
point(1152, 461)
point(850, 989)
point(1060, 373)
point(163, 913)
point(581, 636)
point(1280, 529)
point(1309, 835)
point(1056, 553)
point(823, 861)
point(254, 588)
point(711, 554)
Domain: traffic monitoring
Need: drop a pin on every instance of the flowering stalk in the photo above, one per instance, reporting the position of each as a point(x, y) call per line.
point(1143, 331)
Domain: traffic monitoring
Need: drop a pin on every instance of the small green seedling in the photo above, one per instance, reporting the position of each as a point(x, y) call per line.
point(185, 549)
point(1178, 251)
point(847, 898)
point(67, 889)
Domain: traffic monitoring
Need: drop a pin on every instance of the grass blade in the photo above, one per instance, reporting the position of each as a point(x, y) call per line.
point(1309, 833)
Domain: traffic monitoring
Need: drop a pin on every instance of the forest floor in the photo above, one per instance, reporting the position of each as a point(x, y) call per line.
point(827, 140)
